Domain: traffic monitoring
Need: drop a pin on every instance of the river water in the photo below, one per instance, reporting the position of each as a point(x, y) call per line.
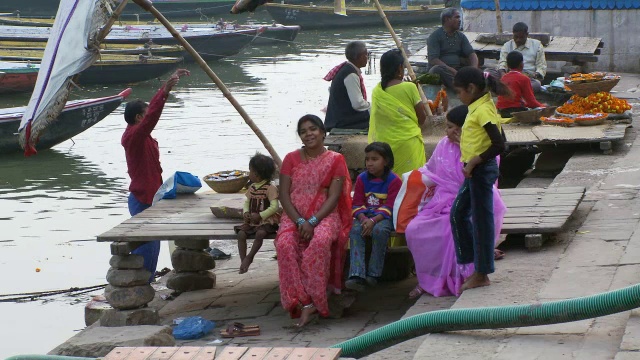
point(53, 205)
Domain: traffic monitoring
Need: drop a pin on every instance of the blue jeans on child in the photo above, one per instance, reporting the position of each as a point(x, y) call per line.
point(379, 240)
point(151, 250)
point(472, 218)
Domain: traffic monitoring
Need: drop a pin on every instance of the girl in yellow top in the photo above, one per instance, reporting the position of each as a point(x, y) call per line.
point(397, 112)
point(481, 142)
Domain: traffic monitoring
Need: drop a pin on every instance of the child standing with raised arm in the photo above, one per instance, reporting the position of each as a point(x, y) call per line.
point(373, 198)
point(481, 141)
point(260, 211)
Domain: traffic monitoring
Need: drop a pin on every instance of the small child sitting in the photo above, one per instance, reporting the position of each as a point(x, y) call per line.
point(520, 86)
point(375, 192)
point(260, 210)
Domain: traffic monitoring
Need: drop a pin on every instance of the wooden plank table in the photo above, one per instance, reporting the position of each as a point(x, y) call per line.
point(531, 211)
point(221, 353)
point(576, 50)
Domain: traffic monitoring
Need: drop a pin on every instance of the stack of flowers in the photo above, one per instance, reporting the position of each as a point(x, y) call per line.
point(557, 120)
point(601, 102)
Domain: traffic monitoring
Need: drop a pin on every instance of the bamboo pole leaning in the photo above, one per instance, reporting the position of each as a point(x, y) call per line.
point(498, 16)
point(148, 6)
point(407, 65)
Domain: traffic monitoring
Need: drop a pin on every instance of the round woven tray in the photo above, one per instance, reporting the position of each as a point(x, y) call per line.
point(589, 122)
point(227, 186)
point(588, 88)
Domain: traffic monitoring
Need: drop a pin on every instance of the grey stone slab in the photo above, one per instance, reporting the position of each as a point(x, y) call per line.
point(126, 261)
point(145, 316)
point(192, 244)
point(191, 260)
point(191, 281)
point(627, 355)
point(581, 252)
point(99, 341)
point(631, 339)
point(95, 308)
point(125, 298)
point(128, 277)
point(575, 327)
point(190, 301)
point(236, 312)
point(569, 282)
point(602, 340)
point(534, 347)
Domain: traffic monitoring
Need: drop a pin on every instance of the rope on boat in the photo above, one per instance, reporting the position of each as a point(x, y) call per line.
point(32, 296)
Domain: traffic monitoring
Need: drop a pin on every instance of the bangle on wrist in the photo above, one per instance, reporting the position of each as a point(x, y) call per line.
point(300, 221)
point(313, 221)
point(373, 220)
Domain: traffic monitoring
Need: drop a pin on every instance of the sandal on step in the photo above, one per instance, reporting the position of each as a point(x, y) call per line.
point(237, 329)
point(416, 292)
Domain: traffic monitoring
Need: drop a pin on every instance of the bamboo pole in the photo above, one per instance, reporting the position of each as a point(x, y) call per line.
point(407, 65)
point(148, 6)
point(498, 16)
point(112, 19)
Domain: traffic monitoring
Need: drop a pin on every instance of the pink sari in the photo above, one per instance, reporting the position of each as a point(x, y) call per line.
point(308, 269)
point(429, 235)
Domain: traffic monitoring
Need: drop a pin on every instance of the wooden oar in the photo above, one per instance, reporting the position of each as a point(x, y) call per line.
point(498, 16)
point(412, 74)
point(148, 6)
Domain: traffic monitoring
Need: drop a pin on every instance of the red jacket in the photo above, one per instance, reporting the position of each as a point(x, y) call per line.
point(520, 85)
point(142, 152)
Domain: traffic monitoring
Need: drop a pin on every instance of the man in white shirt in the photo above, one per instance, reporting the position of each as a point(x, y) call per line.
point(348, 107)
point(535, 64)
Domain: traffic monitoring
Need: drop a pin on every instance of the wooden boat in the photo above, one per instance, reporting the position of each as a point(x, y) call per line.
point(210, 43)
point(324, 17)
point(16, 77)
point(76, 117)
point(149, 49)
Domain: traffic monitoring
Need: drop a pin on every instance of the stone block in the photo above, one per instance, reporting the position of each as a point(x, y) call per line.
point(126, 298)
point(191, 260)
point(144, 316)
point(193, 244)
point(95, 308)
point(124, 247)
point(127, 278)
point(631, 339)
point(126, 261)
point(99, 341)
point(190, 281)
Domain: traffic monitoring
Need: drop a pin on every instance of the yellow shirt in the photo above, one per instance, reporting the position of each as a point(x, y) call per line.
point(474, 139)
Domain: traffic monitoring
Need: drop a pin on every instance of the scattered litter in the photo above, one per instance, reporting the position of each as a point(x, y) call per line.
point(167, 297)
point(583, 232)
point(37, 269)
point(193, 327)
point(214, 342)
point(177, 321)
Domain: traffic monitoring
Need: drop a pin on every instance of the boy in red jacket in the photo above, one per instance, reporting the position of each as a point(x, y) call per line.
point(520, 84)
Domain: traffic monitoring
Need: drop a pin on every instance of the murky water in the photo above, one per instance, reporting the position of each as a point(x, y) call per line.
point(54, 204)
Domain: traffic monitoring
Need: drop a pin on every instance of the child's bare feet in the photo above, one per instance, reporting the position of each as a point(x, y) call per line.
point(246, 262)
point(307, 315)
point(474, 281)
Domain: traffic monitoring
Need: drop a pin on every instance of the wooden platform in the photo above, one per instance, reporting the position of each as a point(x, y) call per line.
point(221, 353)
point(546, 134)
point(530, 211)
point(576, 50)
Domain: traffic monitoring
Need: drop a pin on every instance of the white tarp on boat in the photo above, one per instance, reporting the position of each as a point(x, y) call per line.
point(71, 48)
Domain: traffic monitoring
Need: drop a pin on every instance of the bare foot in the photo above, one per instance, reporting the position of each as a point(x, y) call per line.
point(474, 281)
point(306, 316)
point(246, 262)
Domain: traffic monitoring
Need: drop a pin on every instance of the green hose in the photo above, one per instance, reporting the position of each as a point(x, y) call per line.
point(491, 318)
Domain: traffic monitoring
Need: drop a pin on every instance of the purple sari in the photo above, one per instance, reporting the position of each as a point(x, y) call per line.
point(429, 234)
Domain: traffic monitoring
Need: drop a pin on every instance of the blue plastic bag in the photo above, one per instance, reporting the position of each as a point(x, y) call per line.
point(179, 183)
point(193, 327)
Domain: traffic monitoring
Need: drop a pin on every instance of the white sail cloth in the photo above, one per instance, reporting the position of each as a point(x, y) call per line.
point(71, 48)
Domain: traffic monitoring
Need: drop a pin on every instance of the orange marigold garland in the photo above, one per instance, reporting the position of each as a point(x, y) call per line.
point(601, 102)
point(441, 98)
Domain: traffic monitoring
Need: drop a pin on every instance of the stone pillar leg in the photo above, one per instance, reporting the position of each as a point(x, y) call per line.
point(128, 291)
point(191, 264)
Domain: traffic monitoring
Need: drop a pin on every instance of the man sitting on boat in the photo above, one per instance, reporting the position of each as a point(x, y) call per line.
point(348, 106)
point(449, 49)
point(143, 160)
point(535, 64)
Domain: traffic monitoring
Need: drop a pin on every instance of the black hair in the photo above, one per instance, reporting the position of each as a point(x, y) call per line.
point(389, 63)
point(514, 59)
point(520, 27)
point(484, 81)
point(263, 165)
point(132, 109)
point(385, 151)
point(458, 114)
point(312, 119)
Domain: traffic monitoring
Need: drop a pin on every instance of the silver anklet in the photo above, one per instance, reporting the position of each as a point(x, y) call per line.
point(308, 306)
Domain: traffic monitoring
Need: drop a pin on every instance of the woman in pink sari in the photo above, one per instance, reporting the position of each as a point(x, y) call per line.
point(315, 193)
point(428, 235)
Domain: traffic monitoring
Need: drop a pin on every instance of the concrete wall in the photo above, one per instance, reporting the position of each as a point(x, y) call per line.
point(619, 30)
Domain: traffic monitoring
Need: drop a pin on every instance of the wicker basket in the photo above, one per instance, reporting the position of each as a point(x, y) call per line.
point(227, 186)
point(590, 122)
point(527, 117)
point(588, 88)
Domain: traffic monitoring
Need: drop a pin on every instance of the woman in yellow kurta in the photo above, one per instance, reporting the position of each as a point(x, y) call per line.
point(397, 112)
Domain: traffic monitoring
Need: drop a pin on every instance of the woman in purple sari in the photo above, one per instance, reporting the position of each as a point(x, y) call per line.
point(428, 235)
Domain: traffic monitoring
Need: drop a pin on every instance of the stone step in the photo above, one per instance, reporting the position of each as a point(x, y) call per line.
point(630, 345)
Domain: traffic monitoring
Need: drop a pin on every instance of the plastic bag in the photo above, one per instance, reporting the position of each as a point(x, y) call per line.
point(193, 327)
point(179, 183)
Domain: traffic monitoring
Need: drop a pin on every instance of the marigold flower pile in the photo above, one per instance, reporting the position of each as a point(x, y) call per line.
point(602, 102)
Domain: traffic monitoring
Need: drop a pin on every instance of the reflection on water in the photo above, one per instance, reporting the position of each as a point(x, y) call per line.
point(54, 204)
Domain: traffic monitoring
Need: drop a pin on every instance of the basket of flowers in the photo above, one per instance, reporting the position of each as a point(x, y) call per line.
point(557, 120)
point(590, 119)
point(586, 84)
point(227, 181)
